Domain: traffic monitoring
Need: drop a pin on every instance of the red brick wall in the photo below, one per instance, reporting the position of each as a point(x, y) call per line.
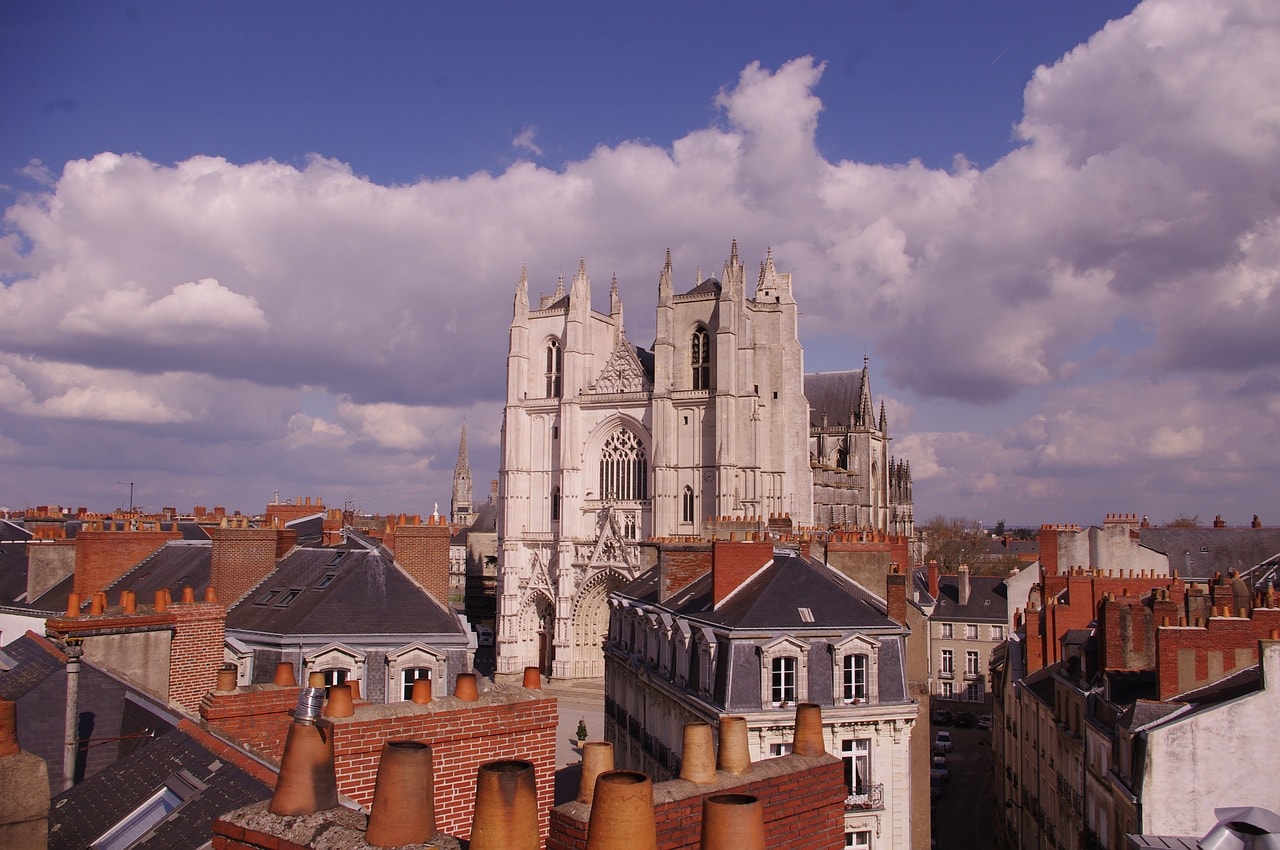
point(423, 552)
point(242, 557)
point(256, 715)
point(104, 556)
point(895, 590)
point(280, 513)
point(678, 566)
point(893, 548)
point(803, 807)
point(1219, 647)
point(462, 736)
point(196, 652)
point(734, 563)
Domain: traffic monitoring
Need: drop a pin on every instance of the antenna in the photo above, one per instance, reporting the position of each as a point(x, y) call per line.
point(130, 483)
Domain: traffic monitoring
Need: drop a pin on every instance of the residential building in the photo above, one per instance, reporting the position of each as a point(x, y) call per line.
point(968, 620)
point(749, 629)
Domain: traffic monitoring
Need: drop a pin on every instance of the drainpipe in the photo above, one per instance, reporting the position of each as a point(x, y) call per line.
point(74, 651)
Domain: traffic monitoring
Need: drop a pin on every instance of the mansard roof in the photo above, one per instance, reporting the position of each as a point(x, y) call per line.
point(836, 394)
point(776, 598)
point(341, 592)
point(1201, 552)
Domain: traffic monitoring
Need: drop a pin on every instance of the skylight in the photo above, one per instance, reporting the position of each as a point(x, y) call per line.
point(806, 615)
point(289, 595)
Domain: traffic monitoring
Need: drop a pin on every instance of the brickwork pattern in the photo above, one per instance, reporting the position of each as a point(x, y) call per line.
point(678, 566)
point(242, 557)
point(256, 715)
point(734, 563)
point(1189, 657)
point(423, 552)
point(462, 736)
point(803, 807)
point(104, 556)
point(196, 652)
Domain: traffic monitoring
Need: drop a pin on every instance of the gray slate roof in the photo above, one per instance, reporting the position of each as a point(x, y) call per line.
point(172, 567)
point(368, 594)
point(835, 393)
point(772, 599)
point(988, 598)
point(1201, 552)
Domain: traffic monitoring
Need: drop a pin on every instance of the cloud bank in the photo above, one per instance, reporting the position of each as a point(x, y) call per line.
point(1092, 317)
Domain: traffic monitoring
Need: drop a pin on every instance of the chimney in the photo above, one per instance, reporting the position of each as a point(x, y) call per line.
point(24, 807)
point(964, 584)
point(1257, 523)
point(422, 551)
point(1033, 644)
point(734, 563)
point(1219, 522)
point(104, 556)
point(679, 565)
point(933, 579)
point(895, 594)
point(242, 557)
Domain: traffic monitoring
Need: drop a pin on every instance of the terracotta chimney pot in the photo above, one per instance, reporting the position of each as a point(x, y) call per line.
point(506, 812)
point(97, 604)
point(597, 758)
point(533, 678)
point(129, 601)
point(732, 822)
point(73, 605)
point(339, 702)
point(354, 685)
point(226, 679)
point(808, 739)
point(285, 677)
point(735, 750)
point(307, 782)
point(403, 808)
point(465, 688)
point(315, 679)
point(698, 754)
point(210, 594)
point(622, 813)
point(421, 691)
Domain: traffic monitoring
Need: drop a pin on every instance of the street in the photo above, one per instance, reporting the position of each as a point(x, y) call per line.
point(963, 818)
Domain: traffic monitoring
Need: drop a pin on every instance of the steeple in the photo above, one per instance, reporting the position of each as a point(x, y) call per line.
point(884, 422)
point(460, 504)
point(665, 287)
point(559, 288)
point(615, 305)
point(520, 310)
point(866, 411)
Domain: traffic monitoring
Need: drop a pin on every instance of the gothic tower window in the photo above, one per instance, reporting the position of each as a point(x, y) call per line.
point(555, 363)
point(700, 346)
point(686, 504)
point(623, 468)
point(555, 504)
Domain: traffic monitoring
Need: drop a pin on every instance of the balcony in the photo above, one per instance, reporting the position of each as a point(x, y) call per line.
point(872, 799)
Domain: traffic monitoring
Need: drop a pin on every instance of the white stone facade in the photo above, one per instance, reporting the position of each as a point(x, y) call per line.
point(604, 445)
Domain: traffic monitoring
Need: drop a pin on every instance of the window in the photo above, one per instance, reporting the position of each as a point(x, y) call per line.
point(971, 631)
point(555, 364)
point(973, 692)
point(686, 504)
point(946, 690)
point(265, 599)
point(555, 504)
point(700, 348)
point(776, 750)
point(856, 753)
point(333, 676)
point(860, 840)
point(410, 675)
point(782, 680)
point(140, 821)
point(855, 678)
point(997, 632)
point(948, 663)
point(289, 596)
point(623, 467)
point(971, 663)
point(948, 631)
point(326, 581)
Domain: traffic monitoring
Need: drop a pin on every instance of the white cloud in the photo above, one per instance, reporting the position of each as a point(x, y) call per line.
point(1141, 196)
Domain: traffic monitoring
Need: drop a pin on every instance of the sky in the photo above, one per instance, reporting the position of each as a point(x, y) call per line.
point(251, 248)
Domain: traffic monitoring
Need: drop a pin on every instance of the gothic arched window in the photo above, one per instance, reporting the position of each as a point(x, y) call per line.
point(686, 505)
point(623, 468)
point(555, 504)
point(555, 363)
point(700, 349)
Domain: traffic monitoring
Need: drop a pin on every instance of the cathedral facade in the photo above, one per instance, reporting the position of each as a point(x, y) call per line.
point(605, 444)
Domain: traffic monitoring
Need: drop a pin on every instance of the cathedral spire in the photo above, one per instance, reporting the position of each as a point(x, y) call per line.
point(520, 309)
point(559, 288)
point(665, 285)
point(866, 410)
point(884, 421)
point(460, 504)
point(615, 305)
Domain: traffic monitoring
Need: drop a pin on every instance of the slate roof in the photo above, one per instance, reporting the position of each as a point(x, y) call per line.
point(173, 566)
point(988, 598)
point(710, 286)
point(1201, 552)
point(13, 573)
point(12, 531)
point(772, 599)
point(25, 663)
point(310, 529)
point(835, 393)
point(367, 594)
point(208, 785)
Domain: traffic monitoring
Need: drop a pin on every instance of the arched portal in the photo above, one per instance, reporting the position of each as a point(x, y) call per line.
point(535, 628)
point(591, 624)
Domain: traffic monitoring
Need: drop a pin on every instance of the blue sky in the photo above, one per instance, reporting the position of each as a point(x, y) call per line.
point(261, 247)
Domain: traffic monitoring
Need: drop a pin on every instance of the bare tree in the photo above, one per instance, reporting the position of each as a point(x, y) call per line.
point(952, 541)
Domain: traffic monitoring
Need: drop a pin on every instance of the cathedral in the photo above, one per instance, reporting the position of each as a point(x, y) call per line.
point(605, 445)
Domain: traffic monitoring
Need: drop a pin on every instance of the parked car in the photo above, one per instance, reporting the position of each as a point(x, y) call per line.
point(939, 768)
point(941, 718)
point(965, 720)
point(936, 785)
point(942, 741)
point(984, 721)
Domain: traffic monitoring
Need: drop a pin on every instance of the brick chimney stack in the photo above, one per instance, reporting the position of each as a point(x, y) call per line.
point(1034, 646)
point(242, 557)
point(104, 556)
point(895, 593)
point(933, 579)
point(733, 563)
point(964, 584)
point(422, 551)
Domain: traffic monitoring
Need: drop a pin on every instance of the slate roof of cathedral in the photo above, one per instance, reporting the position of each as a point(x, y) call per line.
point(710, 286)
point(835, 393)
point(367, 595)
point(773, 597)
